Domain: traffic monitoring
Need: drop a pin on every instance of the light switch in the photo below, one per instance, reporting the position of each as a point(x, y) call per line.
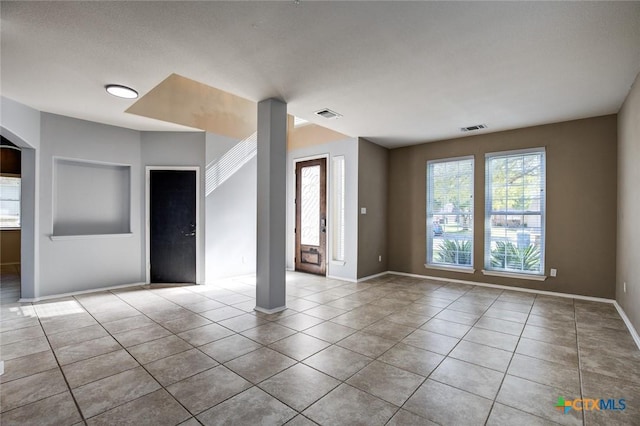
point(363, 210)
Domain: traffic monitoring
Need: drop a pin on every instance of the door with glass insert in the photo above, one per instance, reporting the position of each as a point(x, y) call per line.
point(311, 216)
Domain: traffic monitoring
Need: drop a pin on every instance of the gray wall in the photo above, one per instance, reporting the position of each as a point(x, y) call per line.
point(373, 167)
point(21, 125)
point(89, 262)
point(628, 267)
point(174, 149)
point(231, 216)
point(581, 198)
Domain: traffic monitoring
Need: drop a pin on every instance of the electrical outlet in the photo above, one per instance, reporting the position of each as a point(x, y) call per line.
point(380, 258)
point(624, 286)
point(363, 210)
point(553, 272)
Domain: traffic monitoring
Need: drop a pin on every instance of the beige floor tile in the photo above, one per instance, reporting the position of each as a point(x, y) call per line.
point(32, 388)
point(435, 401)
point(447, 328)
point(299, 346)
point(330, 332)
point(536, 399)
point(102, 395)
point(268, 333)
point(12, 336)
point(55, 410)
point(23, 348)
point(127, 324)
point(250, 407)
point(96, 368)
point(89, 349)
point(506, 342)
point(183, 323)
point(260, 364)
point(299, 386)
point(386, 382)
point(79, 335)
point(410, 358)
point(472, 378)
point(407, 418)
point(348, 405)
point(501, 415)
point(485, 356)
point(547, 373)
point(207, 389)
point(158, 349)
point(338, 362)
point(156, 408)
point(17, 368)
point(243, 322)
point(180, 366)
point(230, 347)
point(433, 342)
point(389, 330)
point(141, 335)
point(206, 334)
point(548, 352)
point(367, 344)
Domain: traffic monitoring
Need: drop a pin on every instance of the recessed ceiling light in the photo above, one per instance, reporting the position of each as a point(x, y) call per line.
point(121, 91)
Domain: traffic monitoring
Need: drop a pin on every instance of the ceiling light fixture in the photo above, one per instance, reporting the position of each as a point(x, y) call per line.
point(121, 91)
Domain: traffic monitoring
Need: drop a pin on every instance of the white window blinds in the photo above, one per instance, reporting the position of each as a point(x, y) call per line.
point(515, 211)
point(450, 212)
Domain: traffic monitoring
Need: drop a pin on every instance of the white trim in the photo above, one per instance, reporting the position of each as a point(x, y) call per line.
point(351, 280)
point(372, 276)
point(88, 236)
point(147, 220)
point(514, 275)
point(73, 293)
point(506, 287)
point(515, 152)
point(337, 262)
point(270, 311)
point(627, 321)
point(327, 171)
point(450, 268)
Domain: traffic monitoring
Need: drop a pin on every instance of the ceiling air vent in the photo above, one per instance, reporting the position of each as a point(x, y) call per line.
point(473, 128)
point(327, 113)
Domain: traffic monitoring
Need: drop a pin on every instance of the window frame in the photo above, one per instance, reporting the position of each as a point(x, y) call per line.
point(489, 212)
point(19, 200)
point(429, 263)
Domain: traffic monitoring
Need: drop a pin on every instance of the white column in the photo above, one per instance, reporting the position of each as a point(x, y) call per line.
point(272, 155)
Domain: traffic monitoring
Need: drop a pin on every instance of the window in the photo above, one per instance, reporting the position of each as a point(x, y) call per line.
point(450, 213)
point(515, 212)
point(337, 208)
point(9, 202)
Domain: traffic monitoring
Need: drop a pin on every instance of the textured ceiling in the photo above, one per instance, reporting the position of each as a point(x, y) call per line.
point(398, 72)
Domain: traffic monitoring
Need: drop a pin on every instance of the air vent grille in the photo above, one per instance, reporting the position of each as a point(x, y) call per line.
point(327, 113)
point(473, 128)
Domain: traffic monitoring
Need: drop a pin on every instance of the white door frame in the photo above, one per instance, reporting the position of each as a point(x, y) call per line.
point(147, 220)
point(328, 243)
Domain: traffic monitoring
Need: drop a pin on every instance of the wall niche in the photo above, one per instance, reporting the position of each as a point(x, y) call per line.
point(91, 198)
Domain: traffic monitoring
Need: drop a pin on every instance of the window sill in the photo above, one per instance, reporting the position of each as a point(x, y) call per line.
point(88, 237)
point(338, 262)
point(451, 268)
point(514, 275)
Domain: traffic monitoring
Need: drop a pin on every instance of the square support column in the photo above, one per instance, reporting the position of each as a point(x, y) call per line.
point(271, 235)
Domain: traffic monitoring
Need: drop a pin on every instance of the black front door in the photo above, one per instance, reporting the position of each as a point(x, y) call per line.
point(173, 226)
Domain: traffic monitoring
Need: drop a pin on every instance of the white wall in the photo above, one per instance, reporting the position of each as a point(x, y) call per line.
point(628, 241)
point(87, 263)
point(231, 216)
point(348, 148)
point(175, 149)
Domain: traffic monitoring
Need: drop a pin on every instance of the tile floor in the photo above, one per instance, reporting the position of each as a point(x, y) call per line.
point(394, 350)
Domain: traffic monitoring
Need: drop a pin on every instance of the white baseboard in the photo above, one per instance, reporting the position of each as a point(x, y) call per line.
point(373, 276)
point(270, 311)
point(627, 321)
point(74, 293)
point(333, 277)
